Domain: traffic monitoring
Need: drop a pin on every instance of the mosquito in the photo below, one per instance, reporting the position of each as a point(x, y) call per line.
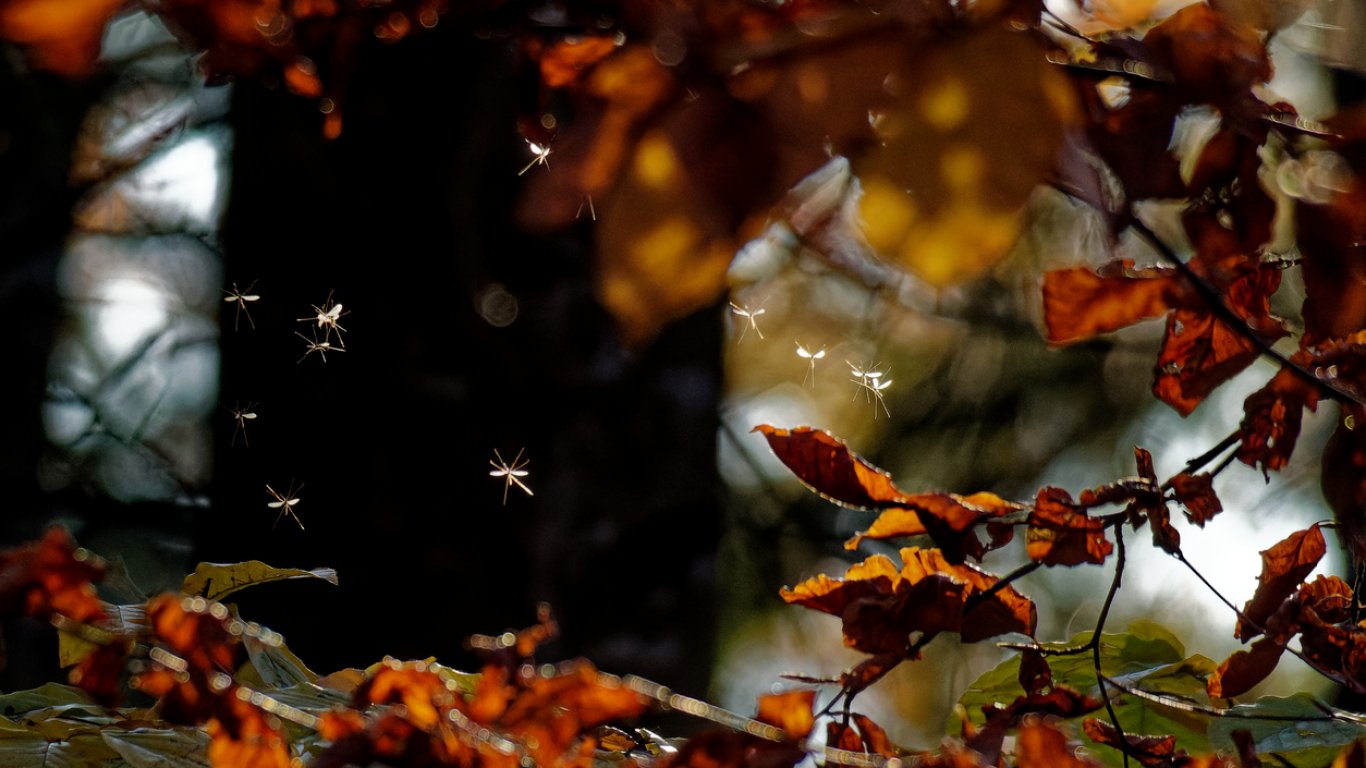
point(873, 385)
point(511, 473)
point(588, 201)
point(540, 155)
point(285, 503)
point(327, 317)
point(321, 347)
point(241, 298)
point(752, 316)
point(241, 416)
point(811, 358)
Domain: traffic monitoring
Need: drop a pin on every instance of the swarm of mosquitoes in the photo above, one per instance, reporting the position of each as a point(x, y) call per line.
point(326, 334)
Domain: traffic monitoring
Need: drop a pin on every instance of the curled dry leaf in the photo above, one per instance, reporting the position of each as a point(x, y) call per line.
point(826, 465)
point(1041, 744)
point(1284, 567)
point(882, 606)
point(1061, 533)
point(790, 711)
point(50, 576)
point(1081, 302)
point(1196, 494)
point(949, 520)
point(1148, 750)
point(242, 736)
point(1244, 669)
point(1271, 420)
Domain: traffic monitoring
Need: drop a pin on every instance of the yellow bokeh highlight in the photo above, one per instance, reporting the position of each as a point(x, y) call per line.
point(962, 167)
point(960, 243)
point(886, 212)
point(655, 163)
point(945, 105)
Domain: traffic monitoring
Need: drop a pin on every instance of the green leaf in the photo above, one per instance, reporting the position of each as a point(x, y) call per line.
point(82, 751)
point(160, 748)
point(45, 695)
point(1310, 737)
point(215, 581)
point(1148, 657)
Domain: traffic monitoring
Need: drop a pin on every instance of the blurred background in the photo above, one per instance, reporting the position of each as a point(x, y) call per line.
point(167, 244)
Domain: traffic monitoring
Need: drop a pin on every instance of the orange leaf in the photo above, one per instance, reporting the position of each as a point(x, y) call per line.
point(1244, 669)
point(826, 465)
point(62, 36)
point(243, 737)
point(1199, 352)
point(1271, 421)
point(1196, 494)
point(1080, 303)
point(790, 711)
point(841, 736)
point(420, 691)
point(1005, 611)
point(1284, 567)
point(1149, 750)
point(949, 519)
point(1040, 744)
point(50, 576)
point(1061, 533)
point(563, 62)
point(195, 629)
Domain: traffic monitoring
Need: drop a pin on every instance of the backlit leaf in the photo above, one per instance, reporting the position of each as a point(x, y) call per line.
point(1080, 303)
point(1040, 744)
point(790, 711)
point(949, 519)
point(1244, 669)
point(1149, 750)
point(62, 36)
point(1271, 421)
point(1284, 566)
point(215, 581)
point(1196, 494)
point(1061, 533)
point(50, 576)
point(826, 465)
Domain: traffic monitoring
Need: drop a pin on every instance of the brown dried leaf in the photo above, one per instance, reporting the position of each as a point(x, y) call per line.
point(61, 36)
point(1061, 533)
point(1244, 669)
point(790, 711)
point(564, 62)
point(241, 736)
point(50, 576)
point(1080, 303)
point(1284, 567)
point(1148, 750)
point(826, 465)
point(949, 519)
point(1271, 420)
point(1041, 744)
point(1199, 352)
point(875, 737)
point(1196, 494)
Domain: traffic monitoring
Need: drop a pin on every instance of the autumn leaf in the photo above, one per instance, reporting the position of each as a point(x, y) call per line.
point(215, 581)
point(1343, 479)
point(1148, 750)
point(1245, 669)
point(50, 576)
point(1061, 533)
point(1041, 744)
point(101, 672)
point(875, 737)
point(61, 36)
point(1196, 494)
point(564, 61)
point(1199, 352)
point(1271, 421)
point(1080, 303)
point(241, 736)
point(826, 465)
point(881, 606)
point(841, 736)
point(790, 711)
point(1284, 566)
point(949, 519)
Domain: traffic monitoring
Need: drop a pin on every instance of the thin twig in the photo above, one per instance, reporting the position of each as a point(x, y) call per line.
point(1095, 642)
